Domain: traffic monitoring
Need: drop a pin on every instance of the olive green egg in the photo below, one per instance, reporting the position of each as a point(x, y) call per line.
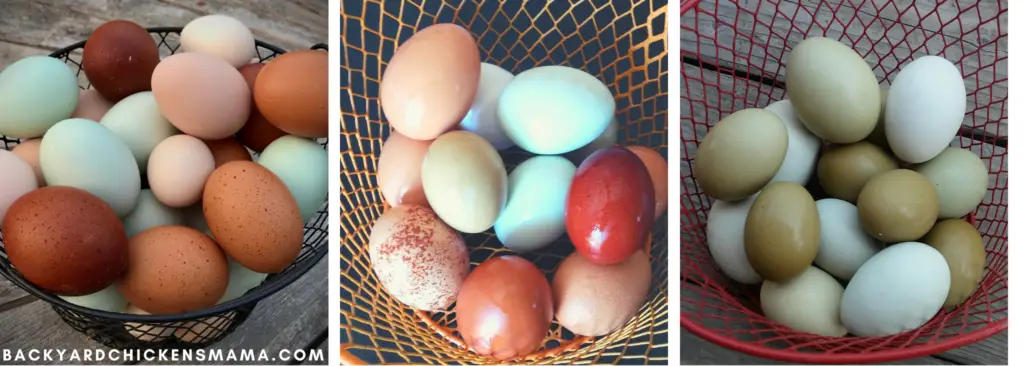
point(740, 154)
point(961, 179)
point(782, 232)
point(961, 245)
point(843, 170)
point(877, 135)
point(898, 205)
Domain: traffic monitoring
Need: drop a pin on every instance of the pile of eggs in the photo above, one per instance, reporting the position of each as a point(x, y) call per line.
point(441, 172)
point(77, 217)
point(891, 226)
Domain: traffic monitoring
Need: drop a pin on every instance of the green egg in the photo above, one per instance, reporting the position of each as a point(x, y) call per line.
point(302, 165)
point(35, 93)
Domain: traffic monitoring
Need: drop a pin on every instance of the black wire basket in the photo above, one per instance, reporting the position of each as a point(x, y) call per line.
point(197, 329)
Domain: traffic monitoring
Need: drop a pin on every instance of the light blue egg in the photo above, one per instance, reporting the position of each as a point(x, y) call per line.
point(302, 165)
point(148, 213)
point(137, 121)
point(107, 299)
point(240, 281)
point(35, 93)
point(534, 215)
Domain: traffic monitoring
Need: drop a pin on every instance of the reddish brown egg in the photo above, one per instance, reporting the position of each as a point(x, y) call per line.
point(227, 149)
point(504, 308)
point(257, 133)
point(119, 59)
point(65, 240)
point(610, 206)
point(291, 92)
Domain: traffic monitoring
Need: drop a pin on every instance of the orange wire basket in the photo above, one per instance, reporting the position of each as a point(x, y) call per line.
point(734, 57)
point(622, 43)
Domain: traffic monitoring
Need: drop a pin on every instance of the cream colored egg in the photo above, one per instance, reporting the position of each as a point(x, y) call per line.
point(464, 180)
point(807, 303)
point(221, 36)
point(960, 178)
point(740, 154)
point(208, 328)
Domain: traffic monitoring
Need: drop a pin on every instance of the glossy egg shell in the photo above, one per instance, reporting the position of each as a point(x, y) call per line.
point(782, 232)
point(398, 170)
point(119, 59)
point(291, 92)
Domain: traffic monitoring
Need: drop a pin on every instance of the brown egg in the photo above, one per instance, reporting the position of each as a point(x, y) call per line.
point(877, 135)
point(504, 308)
point(291, 92)
point(962, 246)
point(65, 240)
point(253, 216)
point(257, 133)
point(398, 170)
point(843, 170)
point(201, 95)
point(898, 205)
point(430, 82)
point(465, 181)
point(172, 270)
point(91, 105)
point(28, 151)
point(658, 168)
point(740, 154)
point(227, 149)
point(782, 232)
point(593, 299)
point(119, 59)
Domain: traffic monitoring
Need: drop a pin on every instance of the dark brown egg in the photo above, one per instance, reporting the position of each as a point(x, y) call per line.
point(119, 59)
point(65, 240)
point(227, 149)
point(291, 92)
point(257, 133)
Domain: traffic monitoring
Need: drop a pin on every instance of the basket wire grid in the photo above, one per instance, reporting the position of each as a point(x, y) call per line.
point(623, 44)
point(199, 328)
point(733, 57)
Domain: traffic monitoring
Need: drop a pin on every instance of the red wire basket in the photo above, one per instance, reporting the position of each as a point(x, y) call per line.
point(734, 56)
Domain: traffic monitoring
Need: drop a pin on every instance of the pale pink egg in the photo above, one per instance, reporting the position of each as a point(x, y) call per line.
point(18, 179)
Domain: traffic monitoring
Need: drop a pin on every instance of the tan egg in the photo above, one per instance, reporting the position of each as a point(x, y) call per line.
point(898, 205)
point(398, 170)
point(740, 154)
point(843, 170)
point(91, 105)
point(962, 246)
point(145, 333)
point(593, 299)
point(658, 168)
point(465, 181)
point(177, 170)
point(227, 149)
point(782, 232)
point(877, 135)
point(201, 95)
point(28, 151)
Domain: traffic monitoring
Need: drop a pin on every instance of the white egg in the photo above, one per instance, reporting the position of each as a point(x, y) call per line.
point(960, 178)
point(221, 36)
point(725, 239)
point(897, 290)
point(534, 215)
point(107, 299)
point(240, 280)
point(807, 303)
point(482, 118)
point(148, 213)
point(605, 140)
point(926, 105)
point(137, 121)
point(844, 246)
point(802, 152)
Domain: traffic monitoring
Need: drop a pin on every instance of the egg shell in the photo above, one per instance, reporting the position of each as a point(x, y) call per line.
point(877, 135)
point(173, 270)
point(219, 35)
point(657, 167)
point(606, 139)
point(555, 109)
point(843, 170)
point(482, 118)
point(19, 179)
point(961, 245)
point(834, 92)
point(844, 245)
point(208, 328)
point(419, 260)
point(897, 290)
point(119, 58)
point(149, 213)
point(83, 154)
point(740, 154)
point(534, 215)
point(399, 167)
point(464, 181)
point(430, 82)
point(146, 333)
point(504, 308)
point(257, 133)
point(595, 300)
point(227, 149)
point(898, 205)
point(291, 93)
point(960, 178)
point(302, 165)
point(137, 121)
point(925, 107)
point(802, 149)
point(91, 106)
point(253, 216)
point(201, 95)
point(36, 92)
point(65, 240)
point(725, 239)
point(28, 151)
point(178, 170)
point(107, 299)
point(783, 232)
point(240, 281)
point(194, 217)
point(807, 303)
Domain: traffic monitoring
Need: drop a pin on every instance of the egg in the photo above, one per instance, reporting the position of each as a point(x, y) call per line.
point(302, 165)
point(834, 92)
point(464, 181)
point(146, 333)
point(35, 93)
point(398, 170)
point(201, 95)
point(91, 106)
point(877, 135)
point(925, 107)
point(253, 216)
point(898, 205)
point(178, 169)
point(740, 154)
point(291, 93)
point(610, 206)
point(419, 260)
point(149, 213)
point(83, 154)
point(594, 300)
point(657, 167)
point(194, 218)
point(227, 149)
point(606, 139)
point(504, 308)
point(555, 109)
point(844, 246)
point(119, 58)
point(725, 239)
point(782, 233)
point(240, 281)
point(802, 150)
point(964, 251)
point(482, 118)
point(897, 290)
point(137, 121)
point(19, 179)
point(806, 303)
point(207, 328)
point(843, 170)
point(430, 82)
point(221, 36)
point(65, 240)
point(28, 151)
point(173, 270)
point(960, 178)
point(257, 133)
point(535, 213)
point(107, 299)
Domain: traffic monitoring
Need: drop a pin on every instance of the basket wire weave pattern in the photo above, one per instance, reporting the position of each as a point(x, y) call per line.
point(200, 328)
point(734, 56)
point(623, 44)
